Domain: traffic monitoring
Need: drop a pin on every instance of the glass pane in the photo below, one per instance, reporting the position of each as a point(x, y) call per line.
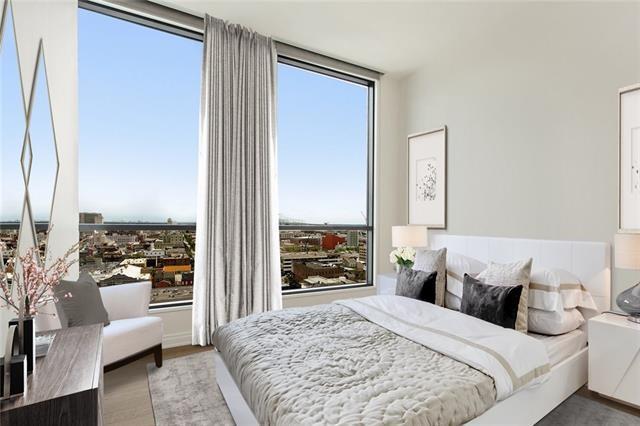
point(322, 148)
point(310, 259)
point(44, 159)
point(139, 100)
point(12, 127)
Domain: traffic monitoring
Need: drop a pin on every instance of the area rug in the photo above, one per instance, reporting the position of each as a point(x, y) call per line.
point(184, 392)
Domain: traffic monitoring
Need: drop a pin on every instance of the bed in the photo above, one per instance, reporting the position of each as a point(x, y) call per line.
point(383, 359)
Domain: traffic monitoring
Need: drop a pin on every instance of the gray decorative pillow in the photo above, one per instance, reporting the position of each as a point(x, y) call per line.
point(497, 304)
point(417, 285)
point(511, 274)
point(84, 305)
point(434, 261)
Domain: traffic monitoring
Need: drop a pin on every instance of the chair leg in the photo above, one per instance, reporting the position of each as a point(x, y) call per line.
point(157, 355)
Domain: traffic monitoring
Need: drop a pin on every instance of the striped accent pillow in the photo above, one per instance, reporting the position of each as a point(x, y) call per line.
point(556, 290)
point(511, 274)
point(458, 265)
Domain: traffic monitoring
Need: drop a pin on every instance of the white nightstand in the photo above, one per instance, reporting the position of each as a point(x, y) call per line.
point(614, 358)
point(386, 283)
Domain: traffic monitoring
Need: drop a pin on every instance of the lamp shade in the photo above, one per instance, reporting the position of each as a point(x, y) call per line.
point(409, 236)
point(627, 251)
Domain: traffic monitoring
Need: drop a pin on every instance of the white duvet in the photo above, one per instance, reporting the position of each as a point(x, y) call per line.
point(513, 359)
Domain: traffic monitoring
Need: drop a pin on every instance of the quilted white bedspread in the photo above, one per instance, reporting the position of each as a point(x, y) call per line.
point(328, 364)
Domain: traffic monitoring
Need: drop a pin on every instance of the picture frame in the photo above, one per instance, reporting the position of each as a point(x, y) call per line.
point(427, 178)
point(629, 159)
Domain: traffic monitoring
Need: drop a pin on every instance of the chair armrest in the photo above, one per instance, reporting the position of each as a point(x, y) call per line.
point(126, 300)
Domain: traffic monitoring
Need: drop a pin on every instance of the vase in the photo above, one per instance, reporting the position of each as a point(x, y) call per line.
point(629, 301)
point(26, 339)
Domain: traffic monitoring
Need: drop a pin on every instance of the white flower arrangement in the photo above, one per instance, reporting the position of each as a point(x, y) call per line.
point(403, 256)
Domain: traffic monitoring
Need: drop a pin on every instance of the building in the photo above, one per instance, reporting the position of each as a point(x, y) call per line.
point(330, 241)
point(353, 238)
point(92, 218)
point(123, 239)
point(362, 251)
point(174, 238)
point(318, 281)
point(288, 259)
point(304, 270)
point(154, 252)
point(177, 268)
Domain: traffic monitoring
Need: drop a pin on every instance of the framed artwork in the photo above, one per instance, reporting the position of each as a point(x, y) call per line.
point(428, 178)
point(629, 159)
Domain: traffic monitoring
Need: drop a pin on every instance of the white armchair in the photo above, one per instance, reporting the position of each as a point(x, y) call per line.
point(132, 333)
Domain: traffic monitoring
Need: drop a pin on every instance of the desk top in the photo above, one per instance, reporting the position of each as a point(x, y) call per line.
point(72, 365)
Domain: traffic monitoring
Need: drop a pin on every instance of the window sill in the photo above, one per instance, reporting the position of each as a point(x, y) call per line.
point(310, 292)
point(291, 294)
point(186, 306)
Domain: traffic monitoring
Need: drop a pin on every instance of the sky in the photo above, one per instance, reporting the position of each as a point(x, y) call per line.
point(139, 101)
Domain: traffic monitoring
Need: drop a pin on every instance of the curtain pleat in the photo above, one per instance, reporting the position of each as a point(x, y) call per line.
point(237, 258)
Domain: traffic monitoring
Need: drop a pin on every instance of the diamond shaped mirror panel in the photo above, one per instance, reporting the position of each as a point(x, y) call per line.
point(42, 163)
point(12, 133)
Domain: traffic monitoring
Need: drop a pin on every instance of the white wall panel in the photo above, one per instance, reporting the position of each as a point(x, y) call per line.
point(55, 24)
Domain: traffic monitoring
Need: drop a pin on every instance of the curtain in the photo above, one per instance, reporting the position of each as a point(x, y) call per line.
point(237, 263)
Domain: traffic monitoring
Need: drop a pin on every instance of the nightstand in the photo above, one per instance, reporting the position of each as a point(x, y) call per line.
point(614, 358)
point(386, 283)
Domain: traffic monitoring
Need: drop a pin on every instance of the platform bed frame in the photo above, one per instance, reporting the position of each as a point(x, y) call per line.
point(589, 261)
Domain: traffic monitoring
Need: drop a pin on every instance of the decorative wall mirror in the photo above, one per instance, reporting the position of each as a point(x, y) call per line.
point(12, 130)
point(28, 150)
point(40, 156)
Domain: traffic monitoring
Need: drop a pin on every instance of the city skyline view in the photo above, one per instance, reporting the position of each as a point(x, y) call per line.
point(130, 153)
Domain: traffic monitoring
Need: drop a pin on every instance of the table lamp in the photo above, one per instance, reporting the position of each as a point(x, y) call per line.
point(627, 256)
point(406, 238)
point(409, 236)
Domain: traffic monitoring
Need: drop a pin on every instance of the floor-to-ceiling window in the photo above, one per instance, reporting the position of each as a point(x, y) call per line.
point(139, 83)
point(139, 99)
point(324, 171)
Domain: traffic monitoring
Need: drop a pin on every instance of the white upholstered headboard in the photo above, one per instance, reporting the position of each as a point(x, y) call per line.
point(590, 261)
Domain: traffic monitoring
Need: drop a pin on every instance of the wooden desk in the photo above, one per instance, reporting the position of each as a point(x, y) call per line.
point(66, 388)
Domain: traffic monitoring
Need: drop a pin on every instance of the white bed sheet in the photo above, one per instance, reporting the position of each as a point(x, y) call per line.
point(563, 346)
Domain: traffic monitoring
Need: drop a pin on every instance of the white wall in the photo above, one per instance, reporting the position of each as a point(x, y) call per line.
point(53, 22)
point(531, 108)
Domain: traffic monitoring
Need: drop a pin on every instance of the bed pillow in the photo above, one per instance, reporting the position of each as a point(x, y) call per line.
point(458, 265)
point(554, 323)
point(452, 301)
point(434, 261)
point(417, 285)
point(556, 290)
point(511, 274)
point(497, 304)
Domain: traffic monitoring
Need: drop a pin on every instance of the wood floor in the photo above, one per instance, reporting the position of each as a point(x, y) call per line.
point(126, 390)
point(127, 400)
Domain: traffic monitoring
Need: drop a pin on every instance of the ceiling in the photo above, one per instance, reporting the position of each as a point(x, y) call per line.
point(392, 37)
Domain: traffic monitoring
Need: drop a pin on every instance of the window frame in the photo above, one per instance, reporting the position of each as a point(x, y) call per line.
point(286, 54)
point(330, 67)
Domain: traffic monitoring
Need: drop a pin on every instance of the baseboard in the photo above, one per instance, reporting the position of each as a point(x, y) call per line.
point(176, 339)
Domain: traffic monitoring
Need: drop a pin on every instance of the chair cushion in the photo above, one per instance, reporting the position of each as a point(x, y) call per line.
point(126, 337)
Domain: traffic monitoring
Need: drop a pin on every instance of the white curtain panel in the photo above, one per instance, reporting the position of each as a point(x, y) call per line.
point(237, 259)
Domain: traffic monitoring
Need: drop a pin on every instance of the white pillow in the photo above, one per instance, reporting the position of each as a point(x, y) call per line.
point(458, 265)
point(554, 323)
point(556, 289)
point(452, 301)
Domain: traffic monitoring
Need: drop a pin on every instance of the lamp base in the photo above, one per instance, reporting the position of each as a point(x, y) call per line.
point(629, 302)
